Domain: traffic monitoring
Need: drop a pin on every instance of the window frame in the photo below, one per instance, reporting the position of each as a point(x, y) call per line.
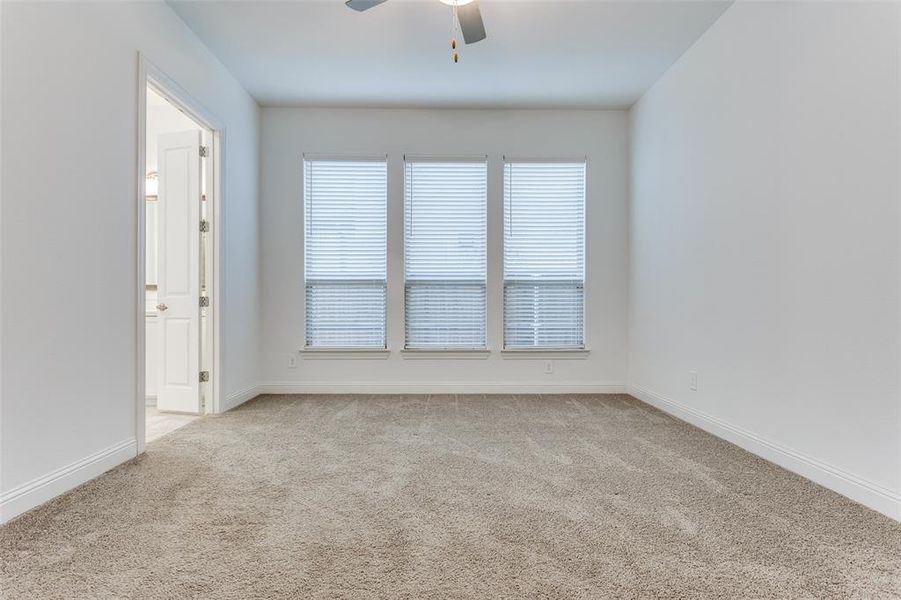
point(345, 351)
point(583, 350)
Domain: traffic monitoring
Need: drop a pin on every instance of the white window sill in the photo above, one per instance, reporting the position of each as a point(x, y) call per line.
point(445, 354)
point(345, 353)
point(546, 353)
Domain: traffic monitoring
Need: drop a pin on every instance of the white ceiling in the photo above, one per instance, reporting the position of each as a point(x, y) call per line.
point(539, 53)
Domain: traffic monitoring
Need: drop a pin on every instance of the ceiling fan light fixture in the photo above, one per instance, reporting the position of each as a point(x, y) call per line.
point(466, 17)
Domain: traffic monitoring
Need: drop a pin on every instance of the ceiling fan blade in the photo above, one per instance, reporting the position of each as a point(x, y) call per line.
point(361, 5)
point(471, 22)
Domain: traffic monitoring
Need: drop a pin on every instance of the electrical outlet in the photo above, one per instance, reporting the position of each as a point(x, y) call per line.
point(549, 367)
point(693, 381)
point(292, 361)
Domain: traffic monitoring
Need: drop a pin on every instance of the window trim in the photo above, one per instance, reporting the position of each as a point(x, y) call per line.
point(346, 351)
point(532, 352)
point(445, 353)
point(311, 156)
point(545, 353)
point(540, 160)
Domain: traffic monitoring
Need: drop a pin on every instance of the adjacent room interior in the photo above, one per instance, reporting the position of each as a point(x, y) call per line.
point(174, 267)
point(450, 298)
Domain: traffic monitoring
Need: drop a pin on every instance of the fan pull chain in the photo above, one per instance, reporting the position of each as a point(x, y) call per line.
point(454, 24)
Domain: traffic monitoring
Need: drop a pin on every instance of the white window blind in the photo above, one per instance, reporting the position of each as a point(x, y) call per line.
point(445, 253)
point(345, 252)
point(544, 254)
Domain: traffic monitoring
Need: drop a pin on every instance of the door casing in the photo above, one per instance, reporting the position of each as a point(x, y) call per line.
point(149, 75)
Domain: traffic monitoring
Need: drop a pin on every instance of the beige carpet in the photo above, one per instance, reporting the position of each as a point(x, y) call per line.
point(448, 497)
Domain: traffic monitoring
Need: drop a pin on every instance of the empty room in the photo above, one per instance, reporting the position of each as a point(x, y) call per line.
point(450, 299)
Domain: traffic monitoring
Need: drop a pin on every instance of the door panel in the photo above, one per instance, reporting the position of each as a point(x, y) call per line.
point(178, 344)
point(178, 309)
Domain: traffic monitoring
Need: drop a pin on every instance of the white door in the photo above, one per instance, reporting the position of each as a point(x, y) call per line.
point(178, 276)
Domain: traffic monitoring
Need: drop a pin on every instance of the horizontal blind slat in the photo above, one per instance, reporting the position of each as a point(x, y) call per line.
point(445, 251)
point(345, 252)
point(544, 254)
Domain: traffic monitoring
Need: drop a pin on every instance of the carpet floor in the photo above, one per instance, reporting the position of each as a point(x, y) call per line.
point(575, 496)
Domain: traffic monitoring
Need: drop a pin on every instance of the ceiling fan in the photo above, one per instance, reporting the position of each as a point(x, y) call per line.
point(467, 15)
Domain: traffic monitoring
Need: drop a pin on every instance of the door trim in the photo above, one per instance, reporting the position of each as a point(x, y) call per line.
point(149, 75)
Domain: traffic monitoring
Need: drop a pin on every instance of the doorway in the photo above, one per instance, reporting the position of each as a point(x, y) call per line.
point(178, 202)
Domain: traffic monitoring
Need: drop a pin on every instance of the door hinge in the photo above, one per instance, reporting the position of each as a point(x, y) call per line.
point(204, 376)
point(204, 226)
point(204, 151)
point(204, 301)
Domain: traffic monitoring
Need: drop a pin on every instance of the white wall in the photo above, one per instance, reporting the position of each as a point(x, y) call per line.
point(765, 240)
point(288, 133)
point(69, 125)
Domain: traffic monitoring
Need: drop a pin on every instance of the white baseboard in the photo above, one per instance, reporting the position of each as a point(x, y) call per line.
point(239, 398)
point(871, 495)
point(37, 491)
point(443, 387)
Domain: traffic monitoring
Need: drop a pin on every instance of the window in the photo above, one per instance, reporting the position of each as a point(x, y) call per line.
point(445, 253)
point(544, 254)
point(345, 252)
